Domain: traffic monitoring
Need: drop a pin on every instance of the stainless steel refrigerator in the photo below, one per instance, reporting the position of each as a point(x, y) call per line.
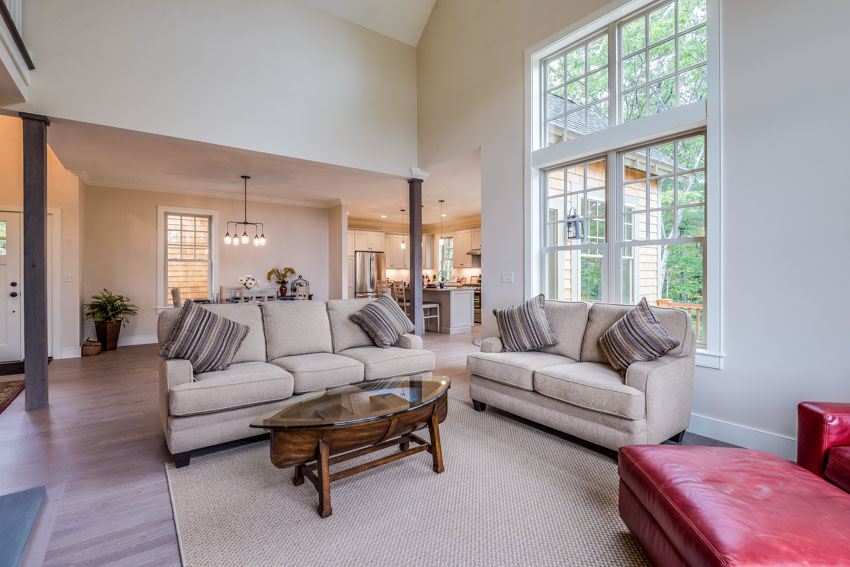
point(369, 270)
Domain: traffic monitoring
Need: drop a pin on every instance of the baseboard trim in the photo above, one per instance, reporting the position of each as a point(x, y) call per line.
point(137, 340)
point(71, 352)
point(744, 436)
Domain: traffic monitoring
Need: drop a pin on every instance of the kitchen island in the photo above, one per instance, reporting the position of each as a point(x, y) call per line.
point(457, 306)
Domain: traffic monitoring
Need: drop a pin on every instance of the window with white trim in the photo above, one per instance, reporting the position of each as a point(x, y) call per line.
point(625, 193)
point(188, 256)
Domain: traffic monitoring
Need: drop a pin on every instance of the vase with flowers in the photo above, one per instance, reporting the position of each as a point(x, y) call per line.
point(281, 277)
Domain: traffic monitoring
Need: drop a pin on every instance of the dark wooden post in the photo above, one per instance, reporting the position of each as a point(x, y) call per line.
point(416, 254)
point(35, 259)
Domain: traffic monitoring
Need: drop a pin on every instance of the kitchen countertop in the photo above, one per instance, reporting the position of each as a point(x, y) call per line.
point(449, 289)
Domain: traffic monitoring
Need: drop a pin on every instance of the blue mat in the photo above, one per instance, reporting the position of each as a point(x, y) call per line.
point(17, 515)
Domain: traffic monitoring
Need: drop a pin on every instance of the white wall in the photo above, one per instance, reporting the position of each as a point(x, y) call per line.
point(275, 76)
point(120, 238)
point(784, 152)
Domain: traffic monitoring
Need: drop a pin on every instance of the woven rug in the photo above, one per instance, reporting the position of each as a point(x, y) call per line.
point(9, 391)
point(511, 495)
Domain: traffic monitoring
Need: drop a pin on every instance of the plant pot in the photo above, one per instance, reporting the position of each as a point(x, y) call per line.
point(107, 333)
point(283, 289)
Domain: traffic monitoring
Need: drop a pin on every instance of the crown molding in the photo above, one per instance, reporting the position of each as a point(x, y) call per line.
point(89, 182)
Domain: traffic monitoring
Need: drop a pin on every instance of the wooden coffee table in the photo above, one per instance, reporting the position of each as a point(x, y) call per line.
point(355, 420)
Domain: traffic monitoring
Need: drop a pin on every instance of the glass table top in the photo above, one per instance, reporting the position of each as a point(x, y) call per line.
point(364, 401)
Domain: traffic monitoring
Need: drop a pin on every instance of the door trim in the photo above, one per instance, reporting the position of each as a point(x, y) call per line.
point(55, 313)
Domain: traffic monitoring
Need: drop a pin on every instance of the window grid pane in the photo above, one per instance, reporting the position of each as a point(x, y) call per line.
point(577, 91)
point(663, 59)
point(188, 256)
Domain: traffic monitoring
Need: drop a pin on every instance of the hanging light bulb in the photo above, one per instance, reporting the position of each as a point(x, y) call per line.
point(236, 241)
point(442, 240)
point(262, 240)
point(227, 238)
point(244, 238)
point(256, 240)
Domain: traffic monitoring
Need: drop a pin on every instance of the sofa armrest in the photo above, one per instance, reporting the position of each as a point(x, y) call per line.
point(491, 344)
point(411, 342)
point(668, 385)
point(820, 426)
point(175, 371)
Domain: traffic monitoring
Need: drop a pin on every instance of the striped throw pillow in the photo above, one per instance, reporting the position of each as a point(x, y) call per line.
point(207, 340)
point(636, 337)
point(384, 321)
point(525, 327)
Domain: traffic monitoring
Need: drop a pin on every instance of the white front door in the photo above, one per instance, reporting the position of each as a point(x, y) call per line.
point(11, 303)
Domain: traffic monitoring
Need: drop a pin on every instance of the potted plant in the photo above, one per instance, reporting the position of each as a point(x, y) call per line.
point(109, 311)
point(281, 277)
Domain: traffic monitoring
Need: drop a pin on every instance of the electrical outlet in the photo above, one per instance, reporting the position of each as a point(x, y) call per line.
point(69, 278)
point(507, 277)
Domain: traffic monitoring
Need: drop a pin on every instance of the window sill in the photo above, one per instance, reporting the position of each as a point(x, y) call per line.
point(708, 359)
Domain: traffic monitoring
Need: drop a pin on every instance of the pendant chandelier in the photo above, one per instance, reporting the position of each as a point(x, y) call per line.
point(403, 236)
point(441, 222)
point(236, 239)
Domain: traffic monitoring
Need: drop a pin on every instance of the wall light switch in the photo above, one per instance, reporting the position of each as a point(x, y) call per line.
point(69, 277)
point(507, 277)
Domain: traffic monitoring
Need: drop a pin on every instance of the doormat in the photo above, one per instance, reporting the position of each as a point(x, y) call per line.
point(8, 392)
point(15, 367)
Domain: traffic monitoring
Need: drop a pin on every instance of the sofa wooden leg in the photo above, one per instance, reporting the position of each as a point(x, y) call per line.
point(678, 438)
point(478, 406)
point(182, 459)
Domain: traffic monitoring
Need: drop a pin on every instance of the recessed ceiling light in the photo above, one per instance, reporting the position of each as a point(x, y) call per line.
point(444, 214)
point(383, 216)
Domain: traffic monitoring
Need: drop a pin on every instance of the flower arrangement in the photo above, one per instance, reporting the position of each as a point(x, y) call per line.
point(280, 275)
point(248, 281)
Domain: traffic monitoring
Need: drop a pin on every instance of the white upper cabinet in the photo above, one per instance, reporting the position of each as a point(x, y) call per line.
point(476, 238)
point(368, 240)
point(428, 252)
point(462, 245)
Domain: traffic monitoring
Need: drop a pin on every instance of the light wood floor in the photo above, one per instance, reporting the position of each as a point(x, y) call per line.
point(99, 450)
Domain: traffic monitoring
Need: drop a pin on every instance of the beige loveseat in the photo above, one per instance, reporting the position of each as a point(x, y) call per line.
point(572, 388)
point(292, 348)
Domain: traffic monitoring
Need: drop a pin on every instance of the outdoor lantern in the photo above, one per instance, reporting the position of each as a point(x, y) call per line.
point(575, 227)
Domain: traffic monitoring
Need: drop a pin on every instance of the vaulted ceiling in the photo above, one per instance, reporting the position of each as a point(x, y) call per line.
point(403, 20)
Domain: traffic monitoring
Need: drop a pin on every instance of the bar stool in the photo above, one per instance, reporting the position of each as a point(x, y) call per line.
point(431, 311)
point(399, 294)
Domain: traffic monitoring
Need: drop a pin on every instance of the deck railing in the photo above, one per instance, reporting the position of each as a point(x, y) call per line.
point(693, 309)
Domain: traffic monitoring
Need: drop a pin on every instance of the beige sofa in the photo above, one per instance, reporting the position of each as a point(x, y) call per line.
point(572, 388)
point(292, 348)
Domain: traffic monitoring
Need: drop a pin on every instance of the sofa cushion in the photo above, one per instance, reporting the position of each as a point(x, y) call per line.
point(392, 361)
point(384, 321)
point(602, 315)
point(242, 384)
point(725, 506)
point(207, 340)
point(568, 320)
point(320, 370)
point(345, 332)
point(524, 327)
point(296, 327)
point(636, 337)
point(512, 368)
point(838, 466)
point(592, 386)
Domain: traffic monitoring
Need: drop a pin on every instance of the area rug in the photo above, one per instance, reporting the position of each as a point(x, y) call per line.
point(9, 391)
point(511, 495)
point(17, 516)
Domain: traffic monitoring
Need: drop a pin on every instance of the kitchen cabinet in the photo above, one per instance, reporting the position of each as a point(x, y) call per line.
point(369, 240)
point(396, 257)
point(350, 242)
point(476, 238)
point(428, 252)
point(462, 244)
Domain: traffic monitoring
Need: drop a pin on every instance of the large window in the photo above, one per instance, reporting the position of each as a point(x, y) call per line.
point(634, 92)
point(188, 256)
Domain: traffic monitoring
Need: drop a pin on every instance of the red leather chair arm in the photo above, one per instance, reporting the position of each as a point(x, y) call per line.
point(820, 425)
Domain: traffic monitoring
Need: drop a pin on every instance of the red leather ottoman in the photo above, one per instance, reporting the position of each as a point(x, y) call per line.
point(722, 506)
